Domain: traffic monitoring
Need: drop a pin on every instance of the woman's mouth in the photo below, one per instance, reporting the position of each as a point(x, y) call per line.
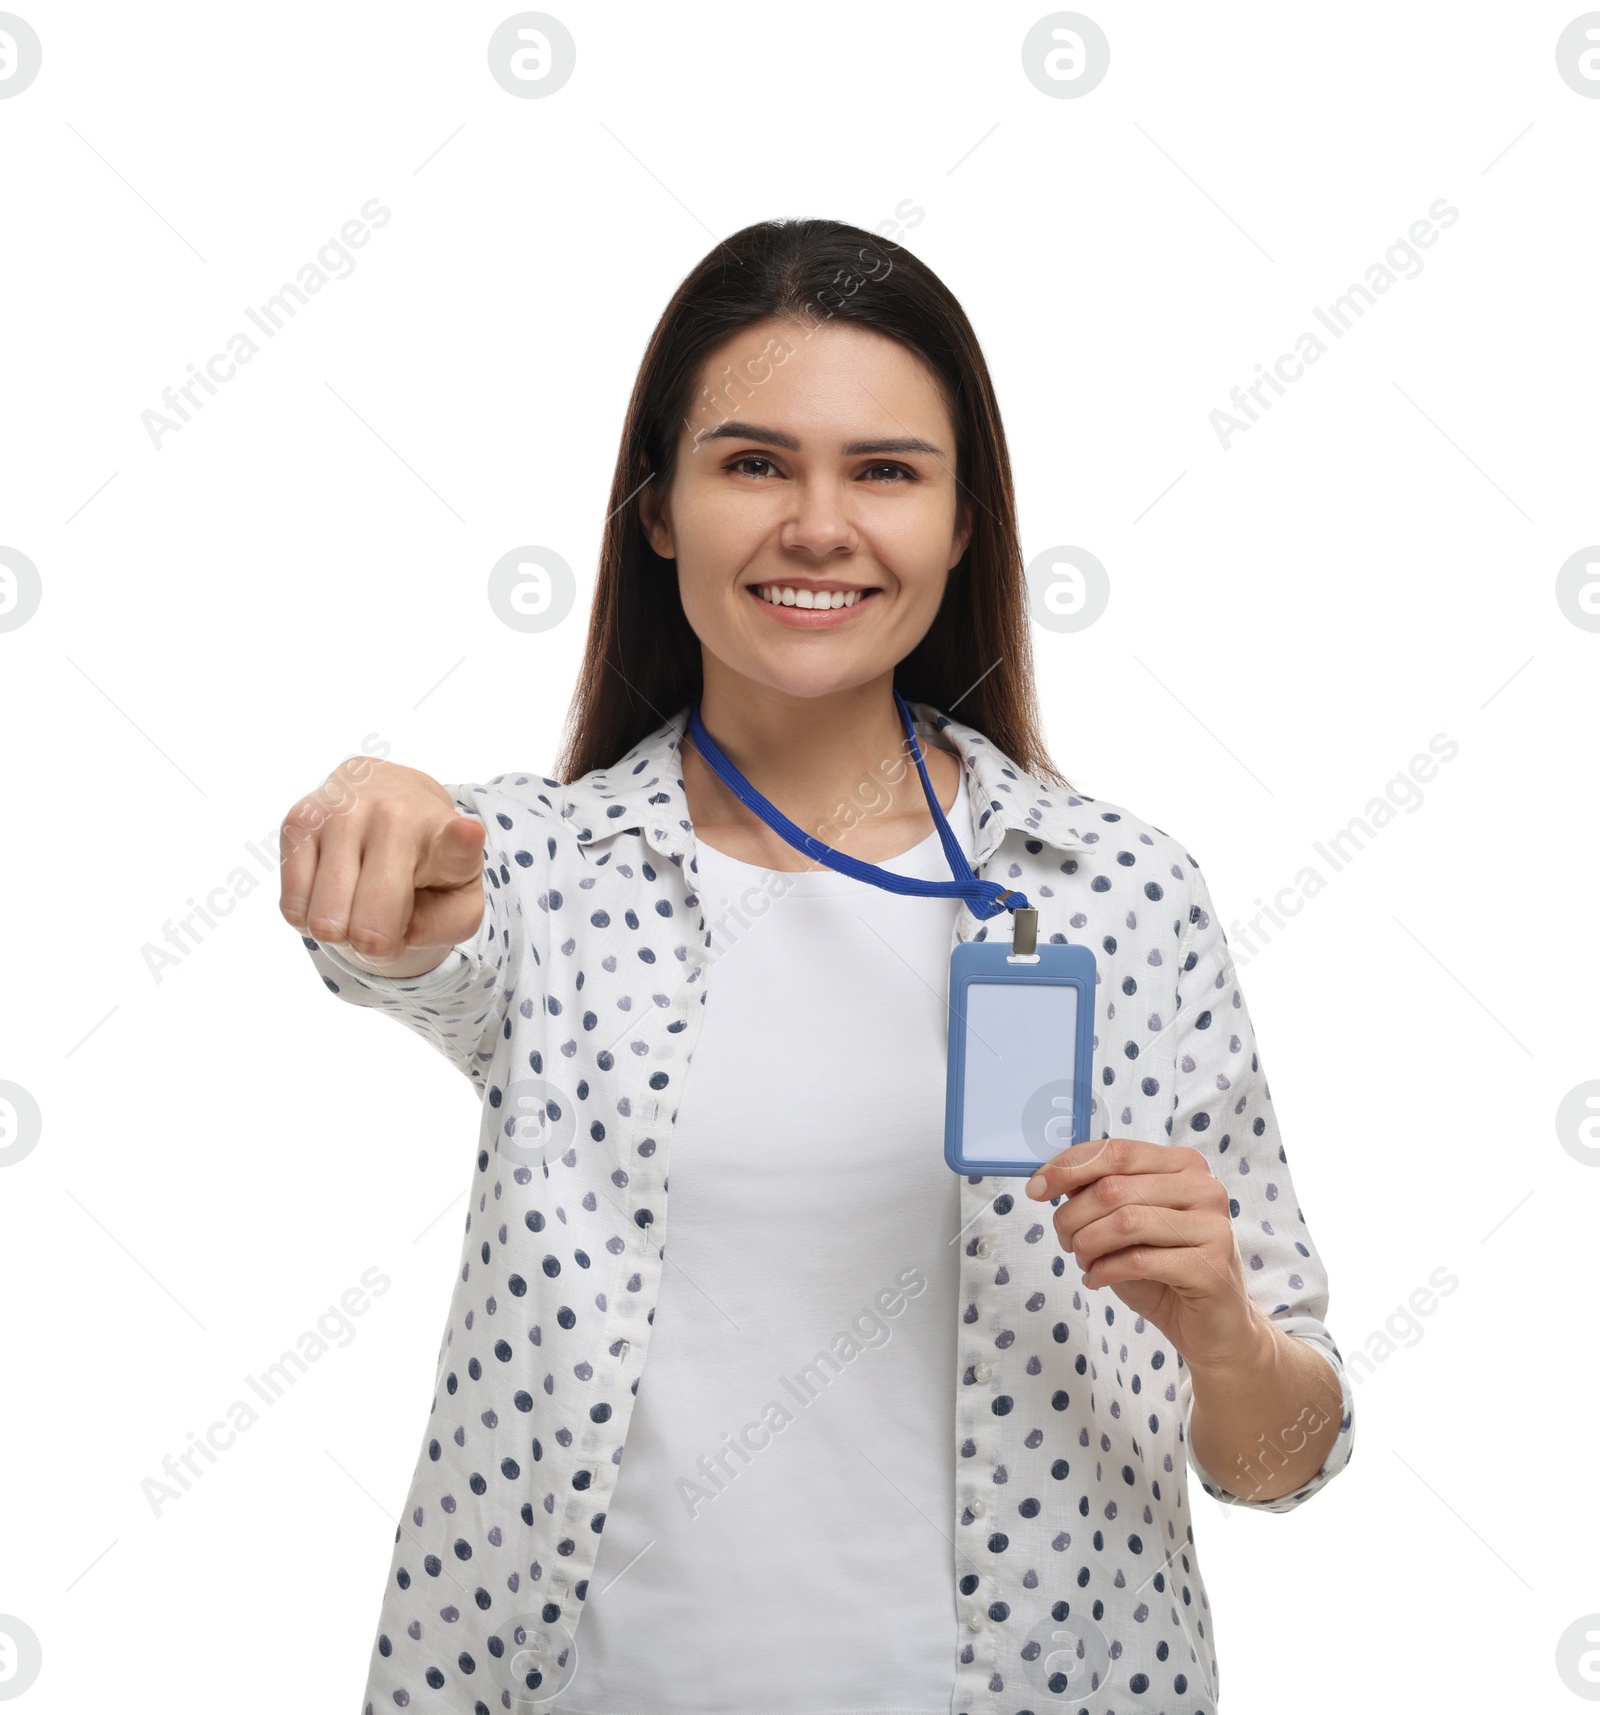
point(809, 608)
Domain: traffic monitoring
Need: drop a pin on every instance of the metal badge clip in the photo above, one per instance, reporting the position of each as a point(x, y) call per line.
point(1024, 931)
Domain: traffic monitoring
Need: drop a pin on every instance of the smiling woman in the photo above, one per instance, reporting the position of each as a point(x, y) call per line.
point(810, 561)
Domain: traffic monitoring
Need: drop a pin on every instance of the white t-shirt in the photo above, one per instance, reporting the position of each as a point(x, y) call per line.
point(780, 1537)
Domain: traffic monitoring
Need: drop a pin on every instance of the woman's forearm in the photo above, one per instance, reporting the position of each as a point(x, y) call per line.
point(1262, 1426)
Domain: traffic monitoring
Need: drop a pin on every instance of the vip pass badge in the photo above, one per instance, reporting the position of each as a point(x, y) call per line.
point(1021, 1036)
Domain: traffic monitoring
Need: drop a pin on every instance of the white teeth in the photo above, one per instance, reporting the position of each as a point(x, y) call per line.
point(782, 595)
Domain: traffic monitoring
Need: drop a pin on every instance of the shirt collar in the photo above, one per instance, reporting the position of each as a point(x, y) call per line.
point(644, 790)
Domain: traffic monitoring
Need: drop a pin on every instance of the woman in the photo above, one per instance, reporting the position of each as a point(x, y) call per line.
point(896, 1439)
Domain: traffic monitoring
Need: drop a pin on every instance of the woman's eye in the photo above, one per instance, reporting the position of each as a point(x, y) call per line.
point(750, 458)
point(898, 470)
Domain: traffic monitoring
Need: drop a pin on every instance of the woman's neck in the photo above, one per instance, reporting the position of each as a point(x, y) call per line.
point(836, 765)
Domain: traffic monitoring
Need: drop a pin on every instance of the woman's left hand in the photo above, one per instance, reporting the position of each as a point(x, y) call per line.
point(1152, 1222)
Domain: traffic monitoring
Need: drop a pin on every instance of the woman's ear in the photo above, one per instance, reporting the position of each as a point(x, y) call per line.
point(653, 516)
point(963, 533)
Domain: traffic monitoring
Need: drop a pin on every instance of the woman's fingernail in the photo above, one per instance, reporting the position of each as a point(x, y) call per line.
point(1037, 1185)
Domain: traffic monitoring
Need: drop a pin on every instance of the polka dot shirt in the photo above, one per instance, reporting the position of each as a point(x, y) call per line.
point(574, 1011)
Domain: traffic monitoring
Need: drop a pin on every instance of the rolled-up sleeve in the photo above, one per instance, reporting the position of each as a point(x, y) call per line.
point(461, 1006)
point(1224, 1109)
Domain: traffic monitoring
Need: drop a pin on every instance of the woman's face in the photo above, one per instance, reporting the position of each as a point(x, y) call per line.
point(831, 469)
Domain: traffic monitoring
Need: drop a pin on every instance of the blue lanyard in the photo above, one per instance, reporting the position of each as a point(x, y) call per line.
point(984, 898)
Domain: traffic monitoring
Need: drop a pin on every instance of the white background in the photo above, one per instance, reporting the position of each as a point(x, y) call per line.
point(304, 565)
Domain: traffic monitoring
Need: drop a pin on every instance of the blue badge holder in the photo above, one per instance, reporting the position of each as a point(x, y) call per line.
point(1018, 1085)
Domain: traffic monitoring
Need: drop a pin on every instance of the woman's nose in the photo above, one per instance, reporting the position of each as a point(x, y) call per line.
point(819, 522)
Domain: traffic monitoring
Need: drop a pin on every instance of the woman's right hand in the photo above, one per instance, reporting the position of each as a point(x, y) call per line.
point(379, 863)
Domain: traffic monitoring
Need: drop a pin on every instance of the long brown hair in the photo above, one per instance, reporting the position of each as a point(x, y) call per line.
point(642, 661)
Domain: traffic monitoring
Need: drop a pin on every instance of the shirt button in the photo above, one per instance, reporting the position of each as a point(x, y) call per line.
point(983, 1248)
point(976, 1507)
point(981, 1372)
point(974, 1619)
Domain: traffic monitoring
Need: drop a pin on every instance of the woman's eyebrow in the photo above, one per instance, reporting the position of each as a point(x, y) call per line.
point(852, 449)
